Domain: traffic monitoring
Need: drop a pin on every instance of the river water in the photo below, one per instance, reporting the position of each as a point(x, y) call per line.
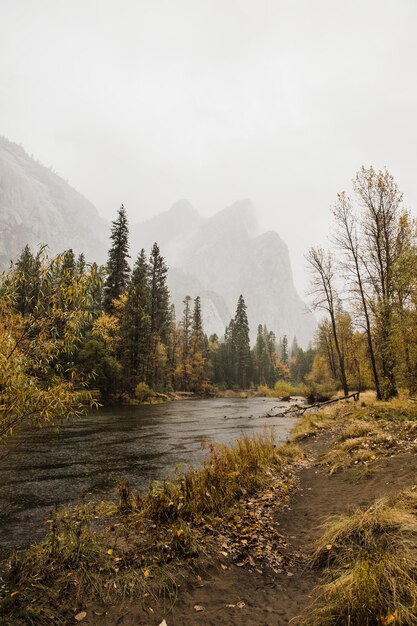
point(84, 458)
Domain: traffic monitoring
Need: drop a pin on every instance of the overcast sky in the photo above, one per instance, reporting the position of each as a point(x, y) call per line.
point(149, 101)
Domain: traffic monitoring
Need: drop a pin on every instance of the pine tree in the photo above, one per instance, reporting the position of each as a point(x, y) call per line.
point(81, 263)
point(198, 359)
point(241, 345)
point(284, 350)
point(135, 325)
point(197, 335)
point(27, 278)
point(118, 269)
point(159, 316)
point(159, 293)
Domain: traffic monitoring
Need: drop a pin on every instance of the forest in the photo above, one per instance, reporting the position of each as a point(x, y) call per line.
point(74, 334)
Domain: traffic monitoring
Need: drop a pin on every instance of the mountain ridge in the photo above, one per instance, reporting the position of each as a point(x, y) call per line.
point(216, 257)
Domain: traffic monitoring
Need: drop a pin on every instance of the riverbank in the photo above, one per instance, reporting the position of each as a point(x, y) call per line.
point(239, 554)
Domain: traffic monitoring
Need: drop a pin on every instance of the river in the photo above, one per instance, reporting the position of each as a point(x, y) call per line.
point(84, 458)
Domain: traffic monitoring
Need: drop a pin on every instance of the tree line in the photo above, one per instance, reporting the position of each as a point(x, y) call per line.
point(70, 329)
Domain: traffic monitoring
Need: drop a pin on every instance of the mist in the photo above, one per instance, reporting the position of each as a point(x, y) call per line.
point(280, 102)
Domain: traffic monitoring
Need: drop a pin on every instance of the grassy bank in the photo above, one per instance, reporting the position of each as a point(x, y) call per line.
point(368, 558)
point(362, 432)
point(110, 551)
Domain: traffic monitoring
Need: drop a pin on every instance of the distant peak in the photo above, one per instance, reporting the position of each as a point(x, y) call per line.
point(243, 213)
point(183, 208)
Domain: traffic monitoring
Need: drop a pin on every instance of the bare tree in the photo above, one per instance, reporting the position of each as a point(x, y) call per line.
point(346, 239)
point(327, 299)
point(381, 248)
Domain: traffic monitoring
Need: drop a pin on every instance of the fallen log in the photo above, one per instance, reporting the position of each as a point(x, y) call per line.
point(301, 410)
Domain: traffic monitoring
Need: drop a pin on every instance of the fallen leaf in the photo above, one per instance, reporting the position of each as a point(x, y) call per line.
point(110, 551)
point(80, 616)
point(224, 567)
point(230, 606)
point(146, 573)
point(240, 605)
point(329, 546)
point(198, 607)
point(163, 623)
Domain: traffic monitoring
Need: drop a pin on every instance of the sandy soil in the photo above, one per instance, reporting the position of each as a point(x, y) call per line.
point(244, 596)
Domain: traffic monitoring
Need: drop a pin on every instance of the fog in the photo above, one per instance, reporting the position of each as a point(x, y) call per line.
point(277, 101)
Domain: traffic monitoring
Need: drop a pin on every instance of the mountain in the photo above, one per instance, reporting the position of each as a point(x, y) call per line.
point(217, 258)
point(39, 207)
point(223, 256)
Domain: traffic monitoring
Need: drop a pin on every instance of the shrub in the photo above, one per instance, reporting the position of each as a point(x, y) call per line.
point(144, 393)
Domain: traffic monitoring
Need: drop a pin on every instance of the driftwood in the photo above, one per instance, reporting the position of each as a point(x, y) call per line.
point(300, 410)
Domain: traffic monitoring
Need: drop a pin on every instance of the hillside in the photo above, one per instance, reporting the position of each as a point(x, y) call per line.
point(39, 207)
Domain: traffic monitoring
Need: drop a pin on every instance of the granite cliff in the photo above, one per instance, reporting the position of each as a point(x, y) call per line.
point(217, 258)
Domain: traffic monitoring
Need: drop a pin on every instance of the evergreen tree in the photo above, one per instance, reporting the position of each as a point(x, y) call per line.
point(197, 335)
point(135, 325)
point(241, 344)
point(81, 263)
point(198, 358)
point(159, 309)
point(27, 279)
point(259, 358)
point(118, 269)
point(159, 316)
point(284, 350)
point(184, 368)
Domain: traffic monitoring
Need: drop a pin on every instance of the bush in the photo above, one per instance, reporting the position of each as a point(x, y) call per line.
point(283, 388)
point(144, 393)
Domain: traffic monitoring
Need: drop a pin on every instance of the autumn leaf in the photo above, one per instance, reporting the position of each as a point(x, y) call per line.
point(80, 616)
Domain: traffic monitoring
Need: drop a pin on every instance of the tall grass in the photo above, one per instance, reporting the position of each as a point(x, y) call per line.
point(228, 474)
point(370, 563)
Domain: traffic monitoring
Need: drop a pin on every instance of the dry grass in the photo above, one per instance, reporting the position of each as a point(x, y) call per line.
point(228, 474)
point(370, 564)
point(362, 431)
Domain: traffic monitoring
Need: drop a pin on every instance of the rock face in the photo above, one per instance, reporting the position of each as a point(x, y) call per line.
point(38, 207)
point(217, 258)
point(220, 258)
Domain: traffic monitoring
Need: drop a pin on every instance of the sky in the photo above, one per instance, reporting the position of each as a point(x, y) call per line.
point(147, 102)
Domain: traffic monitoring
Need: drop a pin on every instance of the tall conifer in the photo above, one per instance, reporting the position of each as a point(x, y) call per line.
point(241, 344)
point(135, 327)
point(118, 269)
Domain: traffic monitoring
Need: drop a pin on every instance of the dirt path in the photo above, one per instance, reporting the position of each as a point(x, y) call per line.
point(270, 598)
